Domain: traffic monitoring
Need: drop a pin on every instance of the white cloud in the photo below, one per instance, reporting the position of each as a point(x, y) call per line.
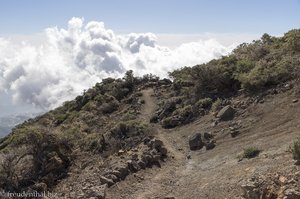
point(226, 39)
point(73, 59)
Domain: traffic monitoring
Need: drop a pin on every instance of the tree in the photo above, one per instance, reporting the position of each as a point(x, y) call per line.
point(292, 39)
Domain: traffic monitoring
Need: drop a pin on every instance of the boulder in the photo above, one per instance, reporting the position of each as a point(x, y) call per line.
point(133, 166)
point(98, 192)
point(147, 159)
point(154, 118)
point(234, 133)
point(291, 194)
point(226, 113)
point(250, 191)
point(107, 181)
point(163, 151)
point(157, 144)
point(122, 170)
point(210, 144)
point(115, 173)
point(141, 164)
point(208, 135)
point(112, 177)
point(156, 159)
point(195, 142)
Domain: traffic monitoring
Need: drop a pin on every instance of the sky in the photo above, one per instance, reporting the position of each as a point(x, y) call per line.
point(158, 16)
point(51, 50)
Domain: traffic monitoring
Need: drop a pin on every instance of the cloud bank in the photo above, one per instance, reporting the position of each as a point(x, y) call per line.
point(73, 59)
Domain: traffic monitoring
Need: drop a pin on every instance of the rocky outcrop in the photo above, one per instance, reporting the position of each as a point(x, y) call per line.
point(272, 186)
point(107, 181)
point(195, 142)
point(98, 192)
point(153, 152)
point(209, 144)
point(226, 113)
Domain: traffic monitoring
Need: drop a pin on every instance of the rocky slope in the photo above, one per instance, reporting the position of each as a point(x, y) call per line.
point(225, 129)
point(8, 122)
point(270, 124)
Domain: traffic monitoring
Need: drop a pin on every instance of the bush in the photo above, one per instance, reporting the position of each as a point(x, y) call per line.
point(90, 106)
point(170, 122)
point(216, 105)
point(8, 172)
point(180, 116)
point(127, 129)
point(109, 107)
point(213, 80)
point(255, 66)
point(43, 157)
point(268, 73)
point(292, 39)
point(125, 135)
point(184, 113)
point(295, 149)
point(95, 143)
point(204, 103)
point(251, 152)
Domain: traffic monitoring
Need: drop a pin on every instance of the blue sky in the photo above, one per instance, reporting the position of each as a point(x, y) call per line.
point(158, 16)
point(188, 32)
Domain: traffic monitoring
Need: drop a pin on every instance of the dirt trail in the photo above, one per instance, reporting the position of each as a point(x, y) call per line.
point(147, 111)
point(156, 180)
point(150, 104)
point(214, 174)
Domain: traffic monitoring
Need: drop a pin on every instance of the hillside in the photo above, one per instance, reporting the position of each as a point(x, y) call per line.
point(224, 129)
point(8, 122)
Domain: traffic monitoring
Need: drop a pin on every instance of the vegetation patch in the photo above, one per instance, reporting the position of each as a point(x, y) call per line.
point(295, 149)
point(251, 152)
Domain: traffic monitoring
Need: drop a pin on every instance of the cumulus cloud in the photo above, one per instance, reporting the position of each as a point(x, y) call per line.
point(75, 58)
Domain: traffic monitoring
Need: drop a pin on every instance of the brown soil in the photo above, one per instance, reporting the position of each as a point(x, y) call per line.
point(271, 126)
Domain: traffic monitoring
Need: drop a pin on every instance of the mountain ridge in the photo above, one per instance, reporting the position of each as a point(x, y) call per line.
point(145, 137)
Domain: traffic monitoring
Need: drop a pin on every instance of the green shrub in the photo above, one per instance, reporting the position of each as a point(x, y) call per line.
point(244, 66)
point(127, 129)
point(170, 122)
point(50, 156)
point(295, 149)
point(90, 106)
point(108, 80)
point(109, 107)
point(94, 142)
point(42, 157)
point(292, 39)
point(251, 152)
point(212, 79)
point(184, 112)
point(8, 172)
point(180, 116)
point(204, 103)
point(216, 105)
point(18, 137)
point(129, 116)
point(60, 118)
